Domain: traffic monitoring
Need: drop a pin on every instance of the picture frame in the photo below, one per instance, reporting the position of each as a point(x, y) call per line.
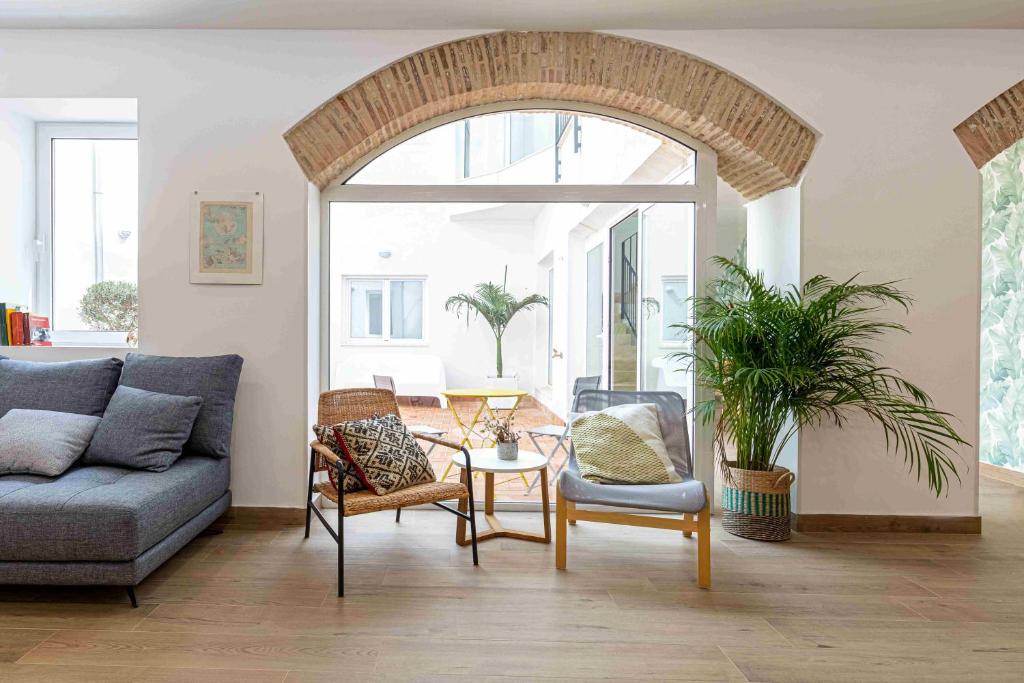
point(226, 238)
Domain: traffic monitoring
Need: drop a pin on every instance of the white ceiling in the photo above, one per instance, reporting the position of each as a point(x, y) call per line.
point(77, 109)
point(515, 14)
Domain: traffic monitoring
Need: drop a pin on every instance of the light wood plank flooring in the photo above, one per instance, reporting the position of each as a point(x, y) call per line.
point(257, 604)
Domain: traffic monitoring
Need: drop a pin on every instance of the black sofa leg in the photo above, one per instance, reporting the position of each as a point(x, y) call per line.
point(398, 515)
point(131, 596)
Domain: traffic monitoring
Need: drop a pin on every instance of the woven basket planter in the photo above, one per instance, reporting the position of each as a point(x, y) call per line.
point(756, 504)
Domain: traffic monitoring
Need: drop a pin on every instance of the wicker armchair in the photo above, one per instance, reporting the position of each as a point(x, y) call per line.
point(345, 405)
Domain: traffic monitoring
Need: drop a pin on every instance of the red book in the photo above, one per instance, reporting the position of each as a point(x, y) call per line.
point(17, 328)
point(39, 330)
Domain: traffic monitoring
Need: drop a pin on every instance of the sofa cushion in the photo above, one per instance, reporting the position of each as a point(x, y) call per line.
point(42, 441)
point(143, 430)
point(79, 386)
point(212, 378)
point(101, 513)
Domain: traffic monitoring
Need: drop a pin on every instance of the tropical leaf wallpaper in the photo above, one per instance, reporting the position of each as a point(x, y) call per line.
point(1002, 310)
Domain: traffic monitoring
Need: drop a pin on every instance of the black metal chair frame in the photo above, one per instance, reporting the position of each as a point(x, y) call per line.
point(339, 535)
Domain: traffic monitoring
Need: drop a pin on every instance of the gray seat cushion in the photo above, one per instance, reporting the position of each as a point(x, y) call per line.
point(101, 513)
point(80, 386)
point(212, 378)
point(686, 496)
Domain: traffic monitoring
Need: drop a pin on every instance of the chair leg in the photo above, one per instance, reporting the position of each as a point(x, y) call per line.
point(131, 596)
point(687, 518)
point(341, 553)
point(472, 517)
point(398, 515)
point(309, 488)
point(561, 529)
point(570, 510)
point(704, 547)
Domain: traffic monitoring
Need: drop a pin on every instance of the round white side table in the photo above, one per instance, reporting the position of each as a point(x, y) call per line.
point(486, 460)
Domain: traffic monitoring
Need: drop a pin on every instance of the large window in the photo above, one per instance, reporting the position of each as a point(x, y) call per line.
point(88, 216)
point(382, 310)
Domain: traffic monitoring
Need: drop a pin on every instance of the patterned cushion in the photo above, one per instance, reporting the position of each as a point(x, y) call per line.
point(622, 445)
point(325, 435)
point(384, 454)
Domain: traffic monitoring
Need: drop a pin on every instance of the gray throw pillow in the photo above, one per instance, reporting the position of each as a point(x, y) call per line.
point(80, 386)
point(42, 441)
point(213, 378)
point(143, 430)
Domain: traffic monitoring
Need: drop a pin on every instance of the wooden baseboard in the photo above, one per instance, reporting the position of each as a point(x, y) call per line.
point(264, 515)
point(887, 523)
point(1001, 474)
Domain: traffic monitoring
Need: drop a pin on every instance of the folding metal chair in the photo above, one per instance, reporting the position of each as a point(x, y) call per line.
point(559, 432)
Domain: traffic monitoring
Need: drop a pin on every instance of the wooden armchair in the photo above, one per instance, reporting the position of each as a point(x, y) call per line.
point(344, 405)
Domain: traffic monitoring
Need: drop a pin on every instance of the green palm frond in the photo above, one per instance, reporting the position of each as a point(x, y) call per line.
point(496, 305)
point(781, 359)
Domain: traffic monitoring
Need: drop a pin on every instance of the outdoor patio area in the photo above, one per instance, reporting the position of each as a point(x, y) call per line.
point(530, 413)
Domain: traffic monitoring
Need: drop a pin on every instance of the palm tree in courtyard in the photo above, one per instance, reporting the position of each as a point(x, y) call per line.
point(496, 305)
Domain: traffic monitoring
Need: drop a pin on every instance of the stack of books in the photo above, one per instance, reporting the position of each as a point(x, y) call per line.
point(20, 327)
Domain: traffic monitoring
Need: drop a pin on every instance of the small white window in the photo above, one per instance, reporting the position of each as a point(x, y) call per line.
point(385, 310)
point(88, 235)
point(675, 308)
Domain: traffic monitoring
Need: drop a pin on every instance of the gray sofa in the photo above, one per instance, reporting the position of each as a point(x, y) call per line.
point(104, 525)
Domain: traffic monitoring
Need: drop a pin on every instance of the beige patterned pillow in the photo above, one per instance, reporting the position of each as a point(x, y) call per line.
point(623, 445)
point(384, 454)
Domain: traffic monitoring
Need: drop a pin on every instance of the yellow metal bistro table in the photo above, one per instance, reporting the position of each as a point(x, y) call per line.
point(469, 429)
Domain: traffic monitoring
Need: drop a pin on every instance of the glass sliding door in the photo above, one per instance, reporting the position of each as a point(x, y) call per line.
point(595, 311)
point(624, 323)
point(666, 287)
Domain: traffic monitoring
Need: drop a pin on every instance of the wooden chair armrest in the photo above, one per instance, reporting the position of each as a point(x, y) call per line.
point(440, 442)
point(323, 451)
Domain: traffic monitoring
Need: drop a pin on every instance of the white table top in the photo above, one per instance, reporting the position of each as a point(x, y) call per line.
point(486, 460)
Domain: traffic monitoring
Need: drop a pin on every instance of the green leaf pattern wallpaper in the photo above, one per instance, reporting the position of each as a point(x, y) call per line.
point(1002, 310)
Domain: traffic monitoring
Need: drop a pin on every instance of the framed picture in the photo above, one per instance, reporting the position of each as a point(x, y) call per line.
point(226, 238)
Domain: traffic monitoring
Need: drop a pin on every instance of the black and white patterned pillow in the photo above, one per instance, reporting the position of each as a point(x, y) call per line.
point(325, 435)
point(384, 454)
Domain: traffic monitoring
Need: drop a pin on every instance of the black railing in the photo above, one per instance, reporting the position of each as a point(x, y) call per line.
point(629, 283)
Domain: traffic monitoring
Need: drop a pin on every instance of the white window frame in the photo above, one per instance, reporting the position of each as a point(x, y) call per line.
point(42, 300)
point(385, 339)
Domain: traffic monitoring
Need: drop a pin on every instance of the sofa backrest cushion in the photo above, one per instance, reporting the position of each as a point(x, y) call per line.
point(79, 386)
point(212, 378)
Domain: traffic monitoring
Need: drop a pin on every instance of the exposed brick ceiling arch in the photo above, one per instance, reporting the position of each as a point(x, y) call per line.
point(761, 147)
point(994, 127)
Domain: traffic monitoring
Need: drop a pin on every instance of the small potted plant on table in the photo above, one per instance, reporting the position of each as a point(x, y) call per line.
point(506, 439)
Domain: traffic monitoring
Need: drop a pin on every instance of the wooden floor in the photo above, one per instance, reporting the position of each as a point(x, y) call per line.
point(257, 604)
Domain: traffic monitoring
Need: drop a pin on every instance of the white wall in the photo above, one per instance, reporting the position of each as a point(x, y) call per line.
point(17, 207)
point(889, 191)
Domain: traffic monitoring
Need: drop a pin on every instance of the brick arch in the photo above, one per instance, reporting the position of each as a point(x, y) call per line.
point(761, 147)
point(989, 131)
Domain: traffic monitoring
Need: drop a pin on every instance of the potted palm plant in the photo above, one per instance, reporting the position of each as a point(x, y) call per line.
point(497, 306)
point(777, 360)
